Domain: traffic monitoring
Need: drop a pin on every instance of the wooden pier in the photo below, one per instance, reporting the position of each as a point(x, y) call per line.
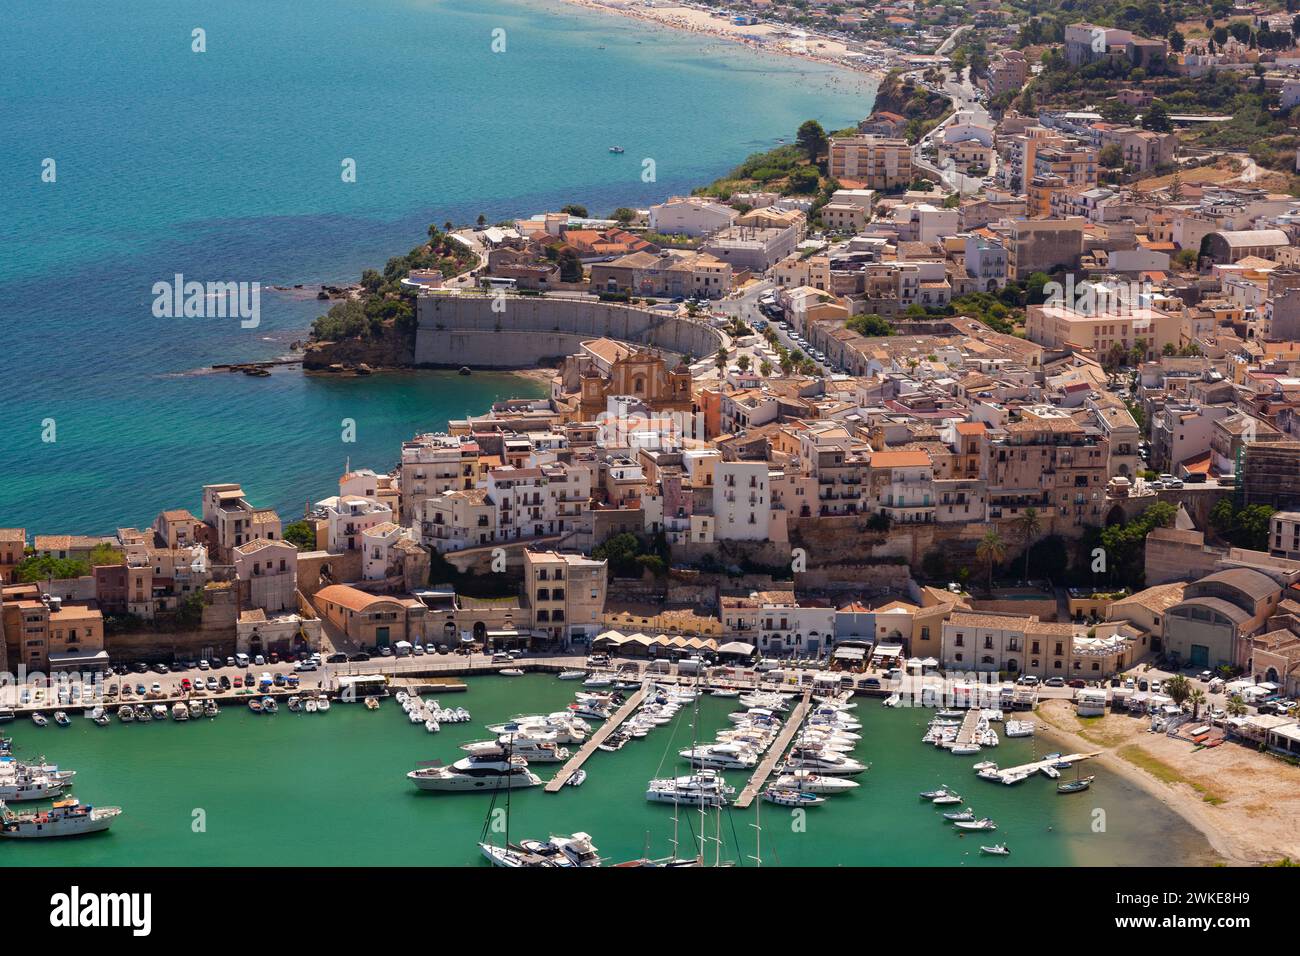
point(966, 732)
point(774, 753)
point(1024, 771)
point(596, 739)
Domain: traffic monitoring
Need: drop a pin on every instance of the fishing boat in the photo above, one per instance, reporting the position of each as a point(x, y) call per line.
point(62, 719)
point(984, 823)
point(960, 816)
point(997, 849)
point(372, 703)
point(99, 717)
point(39, 719)
point(210, 708)
point(269, 706)
point(294, 704)
point(158, 712)
point(577, 778)
point(126, 713)
point(571, 675)
point(196, 708)
point(180, 711)
point(255, 704)
point(322, 703)
point(142, 712)
point(791, 798)
point(65, 818)
point(1075, 786)
point(814, 782)
point(30, 786)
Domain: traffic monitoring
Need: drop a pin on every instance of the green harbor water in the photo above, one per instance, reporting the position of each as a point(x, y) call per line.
point(312, 789)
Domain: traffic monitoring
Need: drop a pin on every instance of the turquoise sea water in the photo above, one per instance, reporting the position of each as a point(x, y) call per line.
point(225, 166)
point(303, 789)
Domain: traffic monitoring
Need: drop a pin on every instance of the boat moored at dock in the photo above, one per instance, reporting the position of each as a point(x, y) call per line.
point(64, 818)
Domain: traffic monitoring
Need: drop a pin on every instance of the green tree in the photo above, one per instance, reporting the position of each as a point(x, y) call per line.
point(1178, 688)
point(811, 138)
point(1196, 698)
point(41, 568)
point(105, 554)
point(570, 264)
point(1156, 118)
point(301, 535)
point(575, 210)
point(1029, 524)
point(624, 215)
point(992, 551)
point(870, 325)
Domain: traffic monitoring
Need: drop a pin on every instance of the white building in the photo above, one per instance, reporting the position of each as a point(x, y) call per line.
point(691, 216)
point(347, 516)
point(742, 506)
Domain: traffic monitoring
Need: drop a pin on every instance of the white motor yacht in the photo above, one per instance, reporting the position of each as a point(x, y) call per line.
point(823, 762)
point(489, 770)
point(706, 787)
point(808, 782)
point(576, 850)
point(721, 756)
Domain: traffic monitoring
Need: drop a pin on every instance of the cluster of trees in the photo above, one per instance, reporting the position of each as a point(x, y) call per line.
point(870, 325)
point(383, 302)
point(1245, 527)
point(630, 555)
point(1121, 560)
point(35, 568)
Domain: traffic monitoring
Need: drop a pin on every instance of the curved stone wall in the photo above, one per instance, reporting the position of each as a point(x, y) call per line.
point(457, 330)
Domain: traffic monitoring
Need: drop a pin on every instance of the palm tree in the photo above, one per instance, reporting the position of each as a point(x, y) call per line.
point(1178, 689)
point(991, 550)
point(1236, 706)
point(1196, 698)
point(1029, 525)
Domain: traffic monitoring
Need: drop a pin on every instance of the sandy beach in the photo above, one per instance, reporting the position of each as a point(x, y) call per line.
point(1244, 802)
point(768, 37)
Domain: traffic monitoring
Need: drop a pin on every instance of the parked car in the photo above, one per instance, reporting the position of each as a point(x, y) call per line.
point(1028, 680)
point(203, 664)
point(305, 666)
point(443, 649)
point(1078, 682)
point(186, 685)
point(337, 659)
point(356, 658)
point(1055, 682)
point(1205, 675)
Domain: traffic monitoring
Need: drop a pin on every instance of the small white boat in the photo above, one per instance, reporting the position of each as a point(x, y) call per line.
point(402, 697)
point(431, 726)
point(598, 680)
point(1019, 728)
point(322, 703)
point(997, 849)
point(1050, 772)
point(985, 765)
point(294, 704)
point(571, 675)
point(947, 798)
point(39, 719)
point(932, 794)
point(62, 719)
point(158, 712)
point(965, 750)
point(269, 706)
point(617, 149)
point(792, 798)
point(984, 823)
point(893, 700)
point(960, 816)
point(196, 708)
point(577, 778)
point(726, 694)
point(180, 711)
point(126, 713)
point(310, 706)
point(372, 703)
point(511, 672)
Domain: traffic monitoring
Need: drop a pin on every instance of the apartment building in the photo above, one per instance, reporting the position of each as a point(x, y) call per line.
point(347, 517)
point(1047, 460)
point(875, 161)
point(565, 595)
point(268, 574)
point(234, 520)
point(433, 464)
point(691, 216)
point(902, 486)
point(742, 505)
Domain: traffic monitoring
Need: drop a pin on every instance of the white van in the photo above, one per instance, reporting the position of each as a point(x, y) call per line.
point(241, 660)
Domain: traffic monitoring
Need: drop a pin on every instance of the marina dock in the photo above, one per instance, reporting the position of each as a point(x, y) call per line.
point(969, 724)
point(1026, 770)
point(577, 760)
point(774, 753)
